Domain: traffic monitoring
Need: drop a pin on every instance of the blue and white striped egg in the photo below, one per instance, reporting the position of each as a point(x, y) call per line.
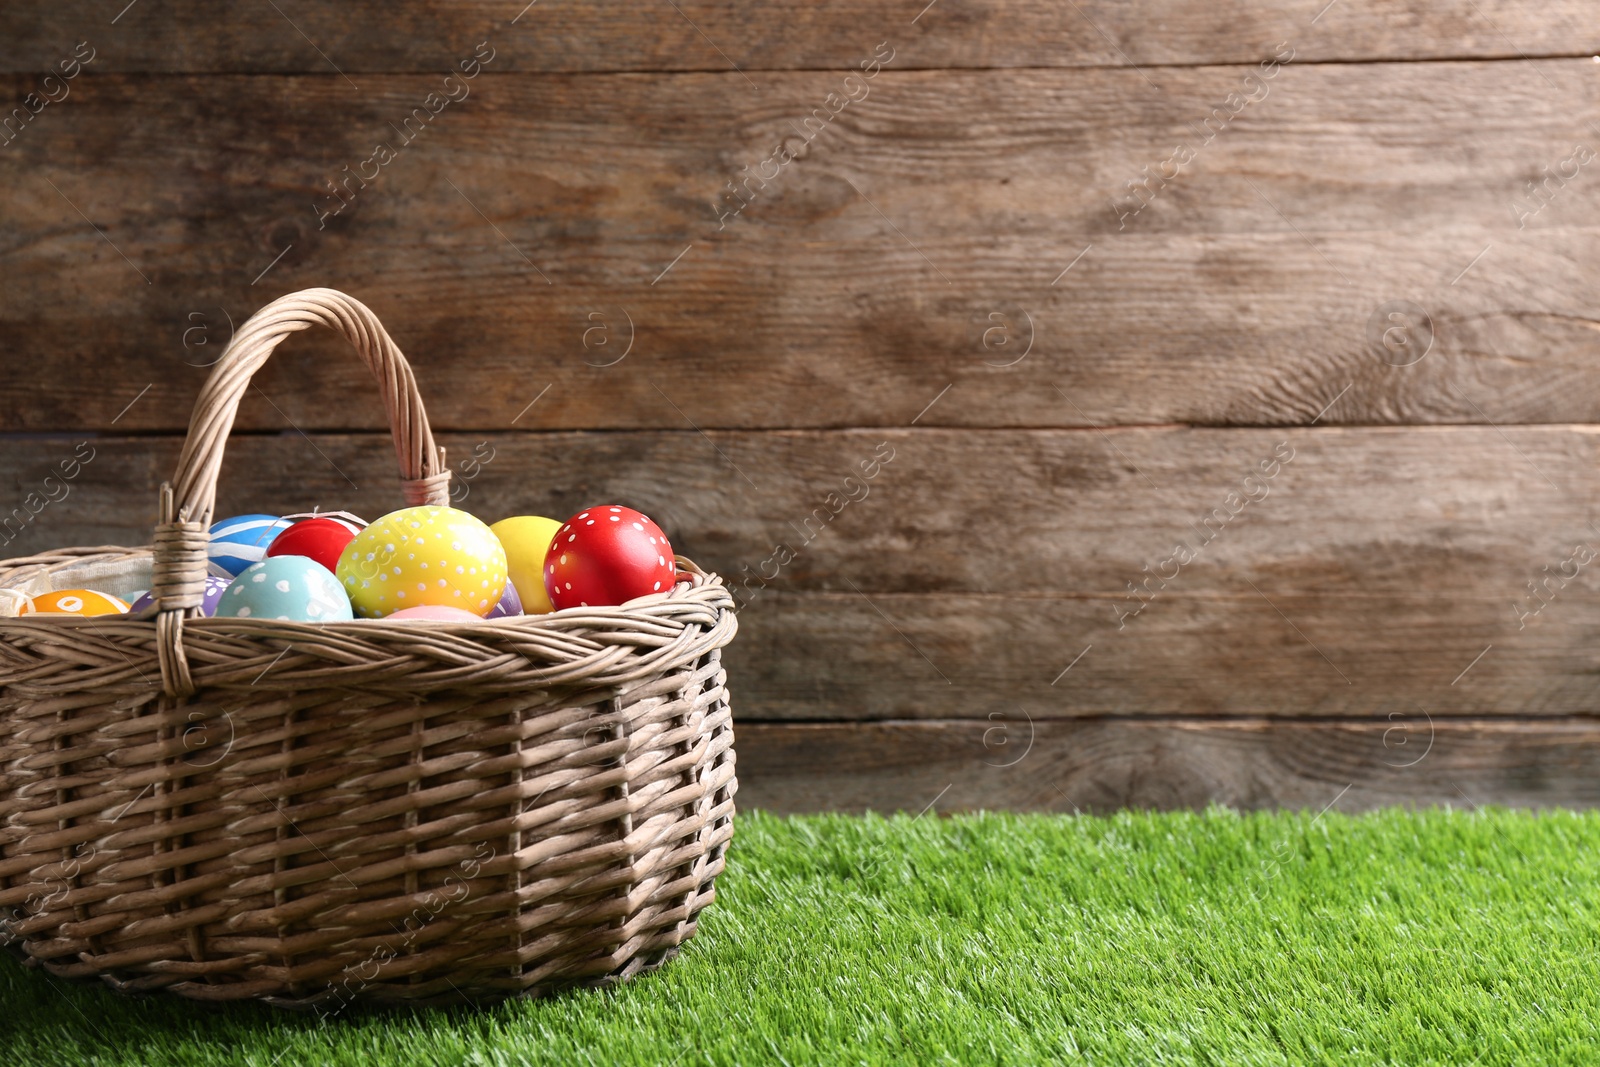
point(242, 540)
point(291, 588)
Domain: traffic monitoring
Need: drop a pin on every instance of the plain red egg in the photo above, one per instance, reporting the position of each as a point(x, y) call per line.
point(607, 555)
point(322, 539)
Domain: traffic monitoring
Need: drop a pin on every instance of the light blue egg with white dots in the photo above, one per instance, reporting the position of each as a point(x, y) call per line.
point(242, 540)
point(288, 588)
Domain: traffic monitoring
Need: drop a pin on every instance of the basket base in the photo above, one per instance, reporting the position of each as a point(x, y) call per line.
point(459, 849)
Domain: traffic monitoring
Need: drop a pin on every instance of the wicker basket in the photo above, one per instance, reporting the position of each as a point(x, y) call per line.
point(313, 814)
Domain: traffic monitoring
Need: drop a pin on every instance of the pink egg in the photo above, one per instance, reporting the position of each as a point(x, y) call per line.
point(435, 612)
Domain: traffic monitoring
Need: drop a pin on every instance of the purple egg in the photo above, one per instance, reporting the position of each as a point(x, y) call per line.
point(215, 587)
point(510, 603)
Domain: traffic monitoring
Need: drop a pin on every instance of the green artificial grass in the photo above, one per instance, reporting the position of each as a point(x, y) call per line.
point(1396, 937)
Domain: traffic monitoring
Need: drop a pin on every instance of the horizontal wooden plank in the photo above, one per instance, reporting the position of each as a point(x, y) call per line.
point(566, 35)
point(1260, 651)
point(1358, 571)
point(564, 231)
point(1462, 512)
point(1106, 765)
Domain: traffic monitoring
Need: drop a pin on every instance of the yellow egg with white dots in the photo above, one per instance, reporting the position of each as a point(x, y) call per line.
point(420, 556)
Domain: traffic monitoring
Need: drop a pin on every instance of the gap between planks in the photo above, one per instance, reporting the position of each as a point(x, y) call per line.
point(655, 72)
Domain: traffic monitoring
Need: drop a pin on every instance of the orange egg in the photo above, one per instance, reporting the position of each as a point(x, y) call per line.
point(75, 602)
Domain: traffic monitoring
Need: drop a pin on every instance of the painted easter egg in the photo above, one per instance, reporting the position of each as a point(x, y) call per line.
point(291, 588)
point(510, 602)
point(322, 539)
point(84, 602)
point(526, 539)
point(433, 612)
point(607, 555)
point(355, 522)
point(215, 587)
point(423, 555)
point(242, 540)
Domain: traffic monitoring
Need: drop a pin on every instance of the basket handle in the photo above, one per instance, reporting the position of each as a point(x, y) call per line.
point(181, 537)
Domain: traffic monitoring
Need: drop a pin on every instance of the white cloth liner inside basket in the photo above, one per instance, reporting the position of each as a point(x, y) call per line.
point(124, 578)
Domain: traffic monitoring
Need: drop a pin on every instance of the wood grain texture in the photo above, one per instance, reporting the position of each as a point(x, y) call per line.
point(831, 656)
point(1373, 569)
point(560, 257)
point(534, 230)
point(566, 35)
point(1102, 766)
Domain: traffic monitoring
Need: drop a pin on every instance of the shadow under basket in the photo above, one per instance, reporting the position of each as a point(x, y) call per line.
point(314, 814)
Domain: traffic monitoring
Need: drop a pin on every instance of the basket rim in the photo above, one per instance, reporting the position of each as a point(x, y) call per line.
point(603, 614)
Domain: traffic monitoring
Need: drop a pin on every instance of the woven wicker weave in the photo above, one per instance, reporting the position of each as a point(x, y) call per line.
point(370, 810)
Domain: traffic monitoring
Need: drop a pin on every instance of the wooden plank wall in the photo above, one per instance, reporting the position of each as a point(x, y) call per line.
point(1225, 374)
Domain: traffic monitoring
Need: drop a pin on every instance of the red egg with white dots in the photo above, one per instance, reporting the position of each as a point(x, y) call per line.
point(607, 555)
